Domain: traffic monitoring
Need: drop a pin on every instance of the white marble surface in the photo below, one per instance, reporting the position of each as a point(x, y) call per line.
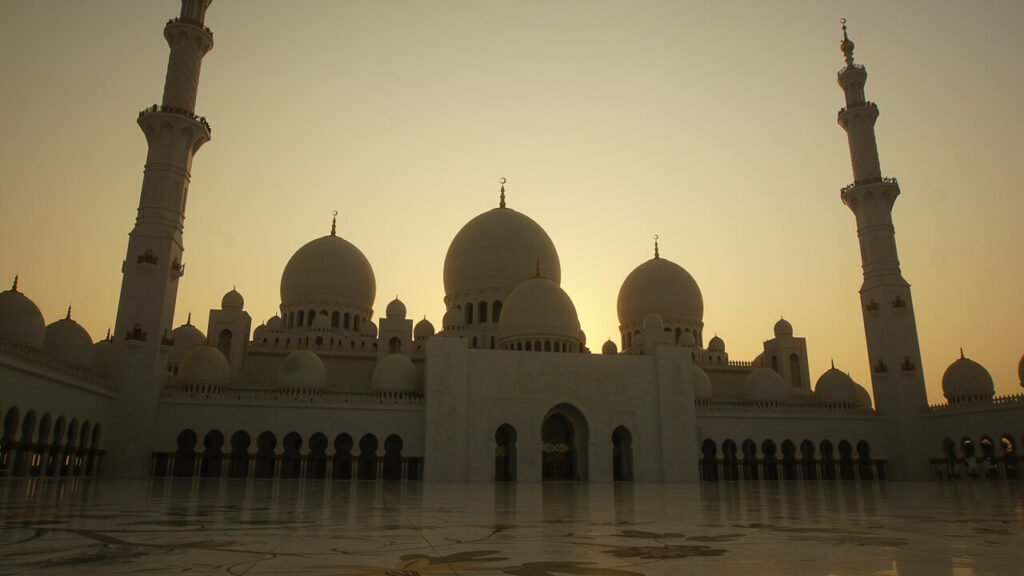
point(238, 527)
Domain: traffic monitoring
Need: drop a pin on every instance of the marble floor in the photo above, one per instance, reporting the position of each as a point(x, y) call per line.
point(259, 527)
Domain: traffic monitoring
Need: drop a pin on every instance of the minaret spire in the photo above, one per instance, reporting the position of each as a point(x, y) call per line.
point(886, 305)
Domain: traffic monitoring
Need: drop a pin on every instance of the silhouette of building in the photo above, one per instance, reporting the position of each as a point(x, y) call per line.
point(506, 390)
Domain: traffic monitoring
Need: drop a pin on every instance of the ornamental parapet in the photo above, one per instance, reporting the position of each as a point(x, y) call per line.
point(1008, 400)
point(320, 398)
point(156, 108)
point(856, 183)
point(776, 408)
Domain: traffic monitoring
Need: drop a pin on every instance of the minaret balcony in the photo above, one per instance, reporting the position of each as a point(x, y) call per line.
point(191, 22)
point(159, 109)
point(857, 183)
point(856, 106)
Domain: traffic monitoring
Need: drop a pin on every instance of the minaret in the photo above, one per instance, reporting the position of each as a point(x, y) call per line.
point(893, 349)
point(153, 264)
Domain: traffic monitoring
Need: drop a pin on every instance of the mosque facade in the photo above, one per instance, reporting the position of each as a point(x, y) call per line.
point(506, 390)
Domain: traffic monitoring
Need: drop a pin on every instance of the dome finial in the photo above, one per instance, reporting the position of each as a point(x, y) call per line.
point(334, 223)
point(656, 255)
point(961, 352)
point(109, 337)
point(14, 286)
point(833, 363)
point(68, 316)
point(847, 45)
point(189, 321)
point(501, 203)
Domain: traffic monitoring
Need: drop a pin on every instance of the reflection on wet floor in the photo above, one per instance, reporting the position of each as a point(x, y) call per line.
point(224, 526)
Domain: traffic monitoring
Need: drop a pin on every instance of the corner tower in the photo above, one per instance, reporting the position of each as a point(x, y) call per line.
point(153, 263)
point(888, 309)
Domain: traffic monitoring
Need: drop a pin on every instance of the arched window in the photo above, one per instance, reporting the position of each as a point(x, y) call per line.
point(622, 454)
point(469, 313)
point(184, 457)
point(347, 320)
point(709, 461)
point(224, 343)
point(391, 465)
point(794, 370)
point(496, 310)
point(482, 308)
point(355, 322)
point(529, 347)
point(335, 319)
point(310, 316)
point(536, 345)
point(394, 345)
point(547, 346)
point(298, 319)
point(775, 363)
point(505, 454)
point(291, 320)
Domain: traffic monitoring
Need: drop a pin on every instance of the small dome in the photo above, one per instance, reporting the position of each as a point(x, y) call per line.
point(395, 373)
point(701, 384)
point(259, 332)
point(204, 365)
point(686, 339)
point(66, 341)
point(275, 324)
point(836, 387)
point(583, 338)
point(302, 370)
point(101, 357)
point(20, 319)
point(539, 308)
point(187, 336)
point(423, 330)
point(453, 320)
point(395, 310)
point(783, 328)
point(716, 344)
point(368, 329)
point(653, 322)
point(609, 347)
point(232, 301)
point(321, 322)
point(764, 385)
point(966, 380)
point(664, 288)
point(498, 249)
point(328, 272)
point(863, 398)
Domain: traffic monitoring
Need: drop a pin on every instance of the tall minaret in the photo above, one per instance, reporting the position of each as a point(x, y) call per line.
point(888, 309)
point(153, 264)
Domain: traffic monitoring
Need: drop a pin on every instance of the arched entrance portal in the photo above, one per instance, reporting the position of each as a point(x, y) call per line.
point(564, 438)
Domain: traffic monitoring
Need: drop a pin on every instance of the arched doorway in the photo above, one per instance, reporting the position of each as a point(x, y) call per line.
point(185, 456)
point(564, 438)
point(622, 454)
point(505, 454)
point(391, 466)
point(212, 461)
point(366, 469)
point(709, 460)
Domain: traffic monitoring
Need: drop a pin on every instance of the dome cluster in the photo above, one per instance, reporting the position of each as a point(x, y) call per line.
point(539, 315)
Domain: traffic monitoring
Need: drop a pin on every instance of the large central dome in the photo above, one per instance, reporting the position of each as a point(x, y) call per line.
point(498, 249)
point(328, 271)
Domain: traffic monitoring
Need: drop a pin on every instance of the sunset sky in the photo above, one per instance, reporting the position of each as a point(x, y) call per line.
point(710, 124)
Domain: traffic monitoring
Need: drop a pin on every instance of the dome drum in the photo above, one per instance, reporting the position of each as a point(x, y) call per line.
point(302, 317)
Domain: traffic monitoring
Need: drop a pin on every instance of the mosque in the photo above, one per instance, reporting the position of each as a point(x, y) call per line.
point(507, 390)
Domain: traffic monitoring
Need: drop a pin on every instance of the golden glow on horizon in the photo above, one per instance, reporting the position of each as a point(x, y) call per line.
point(712, 126)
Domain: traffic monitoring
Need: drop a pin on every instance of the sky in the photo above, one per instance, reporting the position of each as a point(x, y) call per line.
point(710, 124)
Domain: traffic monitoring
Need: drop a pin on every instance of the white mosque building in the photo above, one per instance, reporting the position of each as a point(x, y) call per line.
point(506, 390)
